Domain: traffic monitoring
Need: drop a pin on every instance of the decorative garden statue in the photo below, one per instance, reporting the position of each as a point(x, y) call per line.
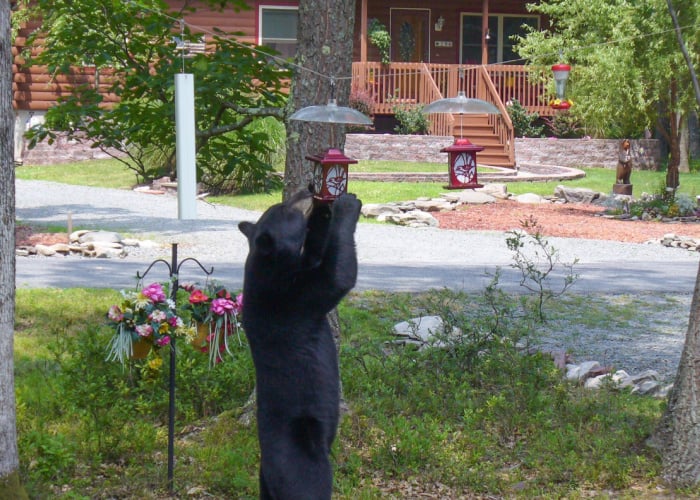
point(624, 169)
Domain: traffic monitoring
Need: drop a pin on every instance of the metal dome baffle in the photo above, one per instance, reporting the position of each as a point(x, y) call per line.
point(331, 167)
point(461, 157)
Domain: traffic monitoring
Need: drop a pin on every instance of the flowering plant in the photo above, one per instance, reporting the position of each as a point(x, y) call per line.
point(217, 315)
point(147, 316)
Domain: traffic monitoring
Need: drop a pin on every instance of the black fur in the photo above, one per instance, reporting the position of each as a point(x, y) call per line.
point(297, 271)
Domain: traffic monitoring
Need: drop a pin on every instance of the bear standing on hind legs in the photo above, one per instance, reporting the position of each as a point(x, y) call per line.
point(297, 271)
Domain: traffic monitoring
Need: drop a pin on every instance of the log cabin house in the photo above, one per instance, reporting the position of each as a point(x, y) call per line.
point(437, 49)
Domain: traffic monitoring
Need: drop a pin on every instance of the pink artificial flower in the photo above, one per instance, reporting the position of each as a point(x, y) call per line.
point(175, 322)
point(154, 292)
point(198, 297)
point(115, 314)
point(223, 306)
point(144, 330)
point(239, 303)
point(164, 340)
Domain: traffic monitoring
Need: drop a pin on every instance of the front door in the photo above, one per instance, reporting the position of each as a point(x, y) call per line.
point(410, 35)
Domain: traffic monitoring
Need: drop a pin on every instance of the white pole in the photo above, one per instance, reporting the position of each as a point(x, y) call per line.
point(185, 147)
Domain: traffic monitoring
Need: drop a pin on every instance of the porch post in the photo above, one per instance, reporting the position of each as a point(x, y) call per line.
point(484, 31)
point(363, 31)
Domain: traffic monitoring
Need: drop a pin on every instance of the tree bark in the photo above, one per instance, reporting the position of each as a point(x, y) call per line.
point(324, 57)
point(678, 434)
point(10, 486)
point(684, 145)
point(672, 180)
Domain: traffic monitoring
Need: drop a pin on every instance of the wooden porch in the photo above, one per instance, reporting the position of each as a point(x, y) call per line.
point(408, 85)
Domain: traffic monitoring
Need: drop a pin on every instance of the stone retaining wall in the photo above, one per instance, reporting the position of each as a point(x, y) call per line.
point(419, 148)
point(646, 153)
point(62, 150)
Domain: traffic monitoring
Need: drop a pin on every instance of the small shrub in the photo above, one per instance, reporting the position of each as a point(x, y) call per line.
point(361, 100)
point(563, 125)
point(663, 202)
point(411, 121)
point(524, 122)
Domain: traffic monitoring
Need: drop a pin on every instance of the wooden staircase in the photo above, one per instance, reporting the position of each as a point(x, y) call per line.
point(480, 132)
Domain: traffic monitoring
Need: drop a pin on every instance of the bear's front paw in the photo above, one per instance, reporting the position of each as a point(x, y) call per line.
point(347, 205)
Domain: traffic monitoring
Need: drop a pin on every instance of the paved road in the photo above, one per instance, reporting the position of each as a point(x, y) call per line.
point(391, 257)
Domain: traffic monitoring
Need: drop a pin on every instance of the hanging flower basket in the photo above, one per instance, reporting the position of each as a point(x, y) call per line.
point(144, 320)
point(217, 317)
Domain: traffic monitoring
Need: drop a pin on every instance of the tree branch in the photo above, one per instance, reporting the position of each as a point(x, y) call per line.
point(273, 111)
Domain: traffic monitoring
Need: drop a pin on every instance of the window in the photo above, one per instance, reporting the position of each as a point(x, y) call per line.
point(500, 45)
point(278, 28)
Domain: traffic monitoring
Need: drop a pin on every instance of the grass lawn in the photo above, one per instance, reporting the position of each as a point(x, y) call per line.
point(113, 174)
point(480, 420)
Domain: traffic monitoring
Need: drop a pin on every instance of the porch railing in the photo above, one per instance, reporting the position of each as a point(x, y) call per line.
point(404, 84)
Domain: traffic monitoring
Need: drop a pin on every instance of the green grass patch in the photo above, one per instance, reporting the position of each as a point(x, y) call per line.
point(95, 173)
point(478, 419)
point(601, 179)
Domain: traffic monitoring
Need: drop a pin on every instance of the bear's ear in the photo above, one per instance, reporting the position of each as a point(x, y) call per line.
point(247, 228)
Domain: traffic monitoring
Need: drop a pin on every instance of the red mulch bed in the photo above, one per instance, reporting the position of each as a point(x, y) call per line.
point(26, 236)
point(564, 220)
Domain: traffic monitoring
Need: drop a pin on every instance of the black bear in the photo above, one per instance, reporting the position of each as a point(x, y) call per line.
point(298, 269)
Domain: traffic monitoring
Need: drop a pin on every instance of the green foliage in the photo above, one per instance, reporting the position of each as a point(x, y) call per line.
point(411, 121)
point(524, 122)
point(624, 58)
point(663, 202)
point(131, 48)
point(564, 125)
point(461, 415)
point(378, 35)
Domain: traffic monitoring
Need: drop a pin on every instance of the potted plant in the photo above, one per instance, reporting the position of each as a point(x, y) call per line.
point(378, 35)
point(145, 319)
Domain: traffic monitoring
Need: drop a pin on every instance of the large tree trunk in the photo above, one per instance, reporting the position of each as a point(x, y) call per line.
point(325, 38)
point(678, 434)
point(672, 180)
point(9, 458)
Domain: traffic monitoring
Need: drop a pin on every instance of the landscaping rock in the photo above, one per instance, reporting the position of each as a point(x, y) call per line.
point(45, 250)
point(576, 195)
point(100, 237)
point(581, 372)
point(471, 197)
point(425, 331)
point(530, 198)
point(496, 190)
point(87, 243)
